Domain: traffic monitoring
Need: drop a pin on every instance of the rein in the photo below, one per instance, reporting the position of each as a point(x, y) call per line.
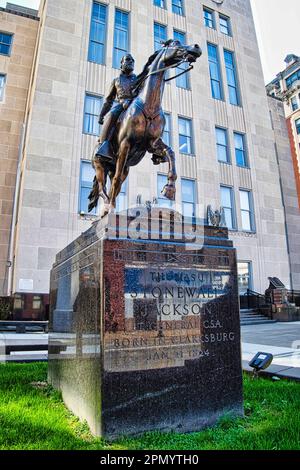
point(168, 67)
point(179, 74)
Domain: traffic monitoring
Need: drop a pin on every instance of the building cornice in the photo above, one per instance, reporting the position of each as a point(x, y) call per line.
point(18, 13)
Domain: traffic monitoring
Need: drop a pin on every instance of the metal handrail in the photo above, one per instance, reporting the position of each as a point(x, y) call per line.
point(255, 299)
point(252, 292)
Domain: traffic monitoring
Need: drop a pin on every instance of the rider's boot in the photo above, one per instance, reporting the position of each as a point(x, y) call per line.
point(105, 150)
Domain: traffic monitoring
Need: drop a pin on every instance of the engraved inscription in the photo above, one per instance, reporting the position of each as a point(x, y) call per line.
point(171, 315)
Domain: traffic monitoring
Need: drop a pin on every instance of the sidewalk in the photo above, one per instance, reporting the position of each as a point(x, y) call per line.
point(280, 339)
point(25, 340)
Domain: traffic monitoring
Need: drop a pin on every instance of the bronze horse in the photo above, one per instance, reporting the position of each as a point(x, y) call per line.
point(140, 127)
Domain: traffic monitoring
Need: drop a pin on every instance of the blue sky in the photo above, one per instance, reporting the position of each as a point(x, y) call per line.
point(276, 22)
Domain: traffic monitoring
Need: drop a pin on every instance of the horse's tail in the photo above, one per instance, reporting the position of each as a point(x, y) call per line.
point(94, 195)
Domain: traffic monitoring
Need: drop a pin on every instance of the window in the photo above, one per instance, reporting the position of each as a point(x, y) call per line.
point(246, 210)
point(121, 202)
point(36, 302)
point(92, 108)
point(244, 276)
point(2, 86)
point(183, 80)
point(162, 180)
point(222, 145)
point(214, 70)
point(167, 130)
point(86, 182)
point(227, 202)
point(121, 36)
point(159, 3)
point(293, 78)
point(297, 124)
point(231, 77)
point(240, 151)
point(185, 135)
point(225, 25)
point(294, 103)
point(188, 197)
point(5, 43)
point(98, 34)
point(160, 35)
point(18, 302)
point(177, 7)
point(208, 17)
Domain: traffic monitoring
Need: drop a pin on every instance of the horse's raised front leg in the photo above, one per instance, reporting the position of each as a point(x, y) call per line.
point(99, 186)
point(101, 176)
point(120, 173)
point(169, 190)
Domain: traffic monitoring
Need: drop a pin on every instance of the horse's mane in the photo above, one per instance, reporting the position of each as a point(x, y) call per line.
point(141, 77)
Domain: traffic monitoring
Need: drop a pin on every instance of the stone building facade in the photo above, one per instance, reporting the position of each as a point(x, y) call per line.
point(18, 35)
point(219, 126)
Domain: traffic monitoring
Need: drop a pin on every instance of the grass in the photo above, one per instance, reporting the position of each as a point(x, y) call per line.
point(33, 417)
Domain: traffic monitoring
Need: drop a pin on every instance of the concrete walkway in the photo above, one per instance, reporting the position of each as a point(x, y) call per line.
point(280, 339)
point(26, 340)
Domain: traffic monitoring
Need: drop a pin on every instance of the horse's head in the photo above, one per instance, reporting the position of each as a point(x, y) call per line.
point(175, 52)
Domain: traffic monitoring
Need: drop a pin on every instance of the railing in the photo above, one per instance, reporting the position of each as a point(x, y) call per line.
point(253, 300)
point(24, 326)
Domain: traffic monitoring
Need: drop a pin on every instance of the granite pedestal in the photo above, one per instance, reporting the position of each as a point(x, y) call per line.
point(144, 324)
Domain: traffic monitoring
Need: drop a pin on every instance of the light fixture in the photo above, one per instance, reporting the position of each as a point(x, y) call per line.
point(260, 361)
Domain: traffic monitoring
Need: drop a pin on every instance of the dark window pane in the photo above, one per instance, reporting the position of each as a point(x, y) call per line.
point(224, 25)
point(167, 130)
point(2, 86)
point(231, 78)
point(227, 202)
point(188, 198)
point(214, 70)
point(160, 35)
point(5, 43)
point(86, 183)
point(159, 3)
point(121, 35)
point(162, 201)
point(208, 18)
point(177, 7)
point(92, 107)
point(97, 33)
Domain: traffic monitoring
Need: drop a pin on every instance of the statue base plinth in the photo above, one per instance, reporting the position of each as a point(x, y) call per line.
point(152, 333)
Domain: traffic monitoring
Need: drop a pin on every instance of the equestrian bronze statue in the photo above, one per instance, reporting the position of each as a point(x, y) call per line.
point(136, 124)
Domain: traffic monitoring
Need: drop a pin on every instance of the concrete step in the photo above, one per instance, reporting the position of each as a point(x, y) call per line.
point(257, 322)
point(253, 317)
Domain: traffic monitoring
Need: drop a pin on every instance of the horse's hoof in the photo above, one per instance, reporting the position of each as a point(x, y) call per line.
point(111, 209)
point(105, 210)
point(169, 192)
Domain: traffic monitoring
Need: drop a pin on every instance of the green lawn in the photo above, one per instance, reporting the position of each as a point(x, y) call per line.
point(35, 418)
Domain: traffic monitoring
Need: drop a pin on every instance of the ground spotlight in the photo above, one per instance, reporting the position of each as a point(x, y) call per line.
point(260, 361)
